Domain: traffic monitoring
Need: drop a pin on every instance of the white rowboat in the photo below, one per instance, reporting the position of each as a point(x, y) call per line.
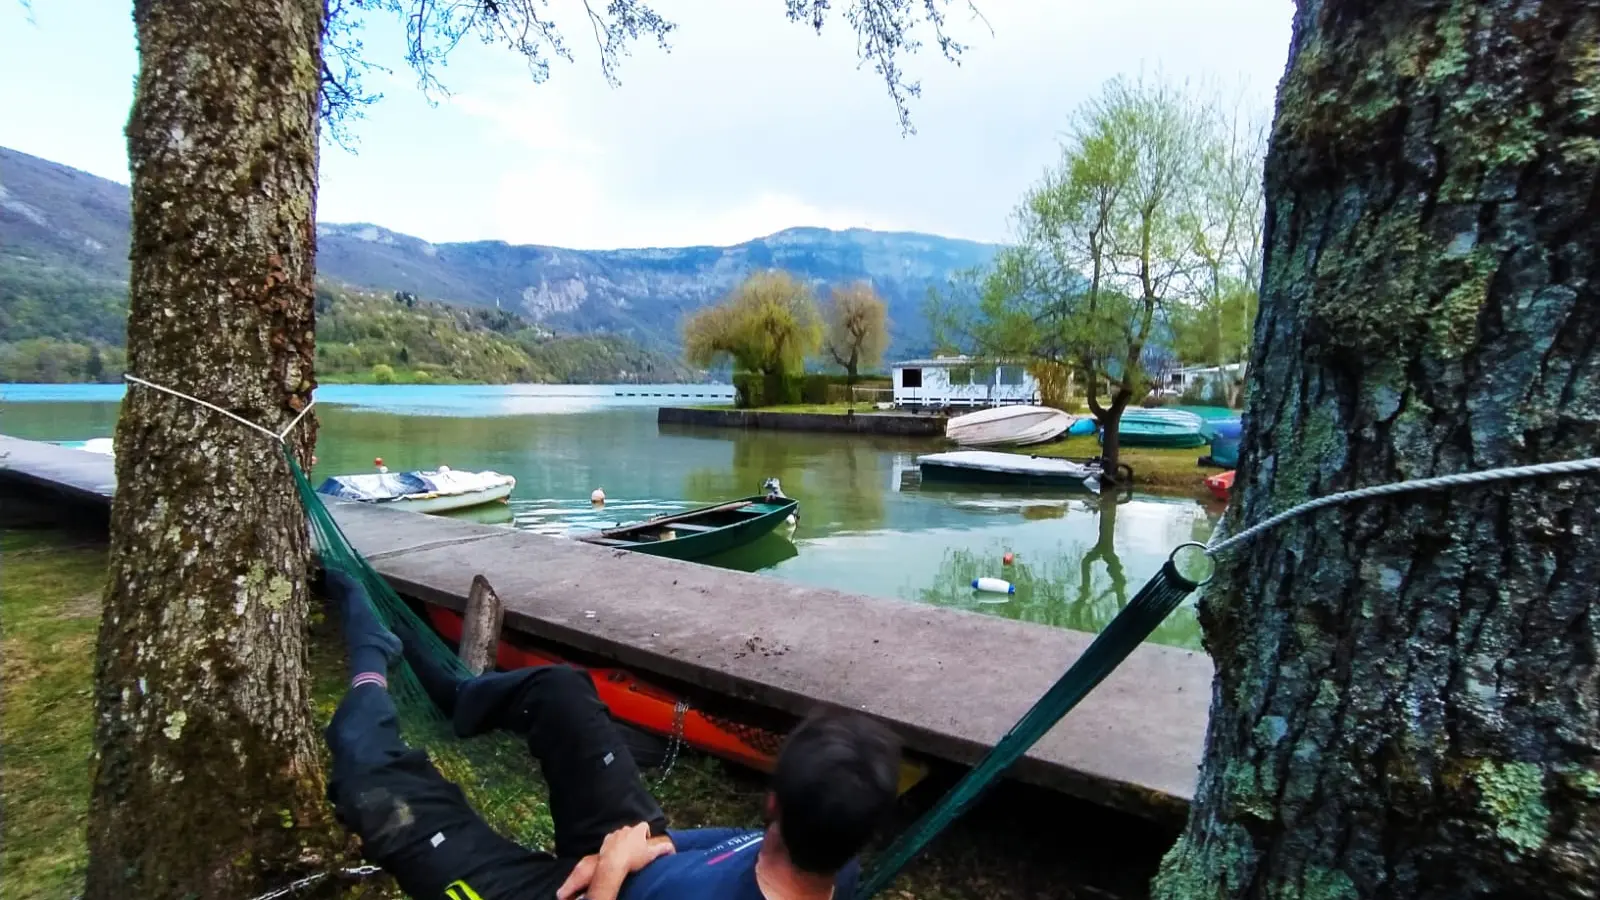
point(426, 492)
point(993, 467)
point(1012, 426)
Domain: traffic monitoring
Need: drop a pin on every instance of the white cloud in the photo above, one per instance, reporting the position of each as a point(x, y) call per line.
point(749, 125)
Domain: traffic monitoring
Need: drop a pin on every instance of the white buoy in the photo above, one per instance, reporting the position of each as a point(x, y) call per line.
point(790, 520)
point(598, 496)
point(994, 585)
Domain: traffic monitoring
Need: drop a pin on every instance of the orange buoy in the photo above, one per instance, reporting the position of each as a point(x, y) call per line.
point(1008, 559)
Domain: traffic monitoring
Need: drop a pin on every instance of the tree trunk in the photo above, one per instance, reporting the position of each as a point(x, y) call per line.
point(207, 780)
point(1407, 702)
point(1110, 419)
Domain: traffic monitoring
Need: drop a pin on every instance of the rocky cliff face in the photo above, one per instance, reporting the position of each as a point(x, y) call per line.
point(645, 293)
point(78, 220)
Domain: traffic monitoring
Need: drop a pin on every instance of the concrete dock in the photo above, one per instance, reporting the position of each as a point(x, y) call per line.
point(898, 424)
point(950, 682)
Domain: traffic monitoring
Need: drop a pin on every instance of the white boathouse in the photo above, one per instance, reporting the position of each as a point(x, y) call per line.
point(961, 381)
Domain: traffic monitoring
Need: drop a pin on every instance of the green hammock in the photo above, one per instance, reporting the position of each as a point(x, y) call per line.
point(500, 786)
point(1127, 630)
point(493, 770)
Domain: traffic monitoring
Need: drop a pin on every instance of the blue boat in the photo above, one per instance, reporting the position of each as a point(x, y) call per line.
point(1161, 428)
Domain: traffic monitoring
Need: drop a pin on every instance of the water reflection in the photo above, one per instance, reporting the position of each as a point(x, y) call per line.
point(839, 480)
point(765, 553)
point(867, 524)
point(1077, 584)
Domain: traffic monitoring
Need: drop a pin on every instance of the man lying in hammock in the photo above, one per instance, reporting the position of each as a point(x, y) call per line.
point(835, 781)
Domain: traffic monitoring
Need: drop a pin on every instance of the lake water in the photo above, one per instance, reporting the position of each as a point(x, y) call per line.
point(867, 524)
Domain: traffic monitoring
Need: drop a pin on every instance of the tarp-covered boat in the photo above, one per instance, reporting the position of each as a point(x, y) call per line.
point(993, 467)
point(422, 491)
point(1008, 426)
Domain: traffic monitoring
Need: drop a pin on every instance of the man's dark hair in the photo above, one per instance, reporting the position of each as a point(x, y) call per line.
point(836, 780)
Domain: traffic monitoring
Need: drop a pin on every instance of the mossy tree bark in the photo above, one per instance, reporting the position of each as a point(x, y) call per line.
point(1408, 701)
point(207, 778)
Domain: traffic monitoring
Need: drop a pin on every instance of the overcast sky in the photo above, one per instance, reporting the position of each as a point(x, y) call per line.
point(749, 125)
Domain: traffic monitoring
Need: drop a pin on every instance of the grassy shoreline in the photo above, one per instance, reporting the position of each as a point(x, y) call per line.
point(1018, 843)
point(1155, 469)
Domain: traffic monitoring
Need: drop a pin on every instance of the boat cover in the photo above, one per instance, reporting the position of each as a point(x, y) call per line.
point(1009, 463)
point(376, 486)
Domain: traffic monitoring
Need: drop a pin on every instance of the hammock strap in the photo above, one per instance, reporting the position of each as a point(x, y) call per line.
point(1158, 598)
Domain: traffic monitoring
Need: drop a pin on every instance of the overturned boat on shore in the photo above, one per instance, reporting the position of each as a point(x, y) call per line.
point(1008, 426)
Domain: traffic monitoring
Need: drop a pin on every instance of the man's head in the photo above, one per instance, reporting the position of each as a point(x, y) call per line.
point(836, 780)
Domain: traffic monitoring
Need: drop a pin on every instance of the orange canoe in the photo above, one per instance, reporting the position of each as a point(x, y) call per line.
point(652, 709)
point(642, 705)
point(1221, 485)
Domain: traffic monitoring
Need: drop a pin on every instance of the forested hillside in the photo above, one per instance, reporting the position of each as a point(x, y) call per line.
point(64, 239)
point(61, 326)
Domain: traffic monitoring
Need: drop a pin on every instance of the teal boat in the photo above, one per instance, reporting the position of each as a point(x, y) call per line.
point(702, 532)
point(1161, 428)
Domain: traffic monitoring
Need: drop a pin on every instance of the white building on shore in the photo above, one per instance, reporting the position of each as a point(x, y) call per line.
point(961, 381)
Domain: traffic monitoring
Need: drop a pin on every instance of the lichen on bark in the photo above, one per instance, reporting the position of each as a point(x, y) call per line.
point(203, 730)
point(1407, 702)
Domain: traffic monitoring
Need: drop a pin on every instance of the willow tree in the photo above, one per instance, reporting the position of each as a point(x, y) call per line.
point(1407, 701)
point(856, 328)
point(1104, 239)
point(207, 781)
point(767, 326)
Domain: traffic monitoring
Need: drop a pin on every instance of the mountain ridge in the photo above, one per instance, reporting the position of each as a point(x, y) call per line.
point(62, 218)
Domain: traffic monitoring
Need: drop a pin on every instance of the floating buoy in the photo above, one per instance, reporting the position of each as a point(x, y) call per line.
point(994, 585)
point(1008, 559)
point(444, 468)
point(598, 496)
point(378, 461)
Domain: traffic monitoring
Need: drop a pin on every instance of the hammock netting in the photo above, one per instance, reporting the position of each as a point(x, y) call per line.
point(494, 770)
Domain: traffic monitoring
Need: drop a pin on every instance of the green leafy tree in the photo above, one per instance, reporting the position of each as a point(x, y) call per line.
point(767, 326)
point(1102, 248)
point(95, 366)
point(856, 328)
point(1212, 325)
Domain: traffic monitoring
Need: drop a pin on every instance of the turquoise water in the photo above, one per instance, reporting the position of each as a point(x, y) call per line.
point(867, 523)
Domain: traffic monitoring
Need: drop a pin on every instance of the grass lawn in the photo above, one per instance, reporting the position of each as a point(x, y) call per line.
point(1019, 843)
point(1154, 468)
point(50, 610)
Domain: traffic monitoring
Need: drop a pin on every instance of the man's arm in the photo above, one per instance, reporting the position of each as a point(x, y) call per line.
point(625, 851)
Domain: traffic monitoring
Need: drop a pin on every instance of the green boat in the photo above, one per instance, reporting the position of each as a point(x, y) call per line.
point(702, 532)
point(1161, 428)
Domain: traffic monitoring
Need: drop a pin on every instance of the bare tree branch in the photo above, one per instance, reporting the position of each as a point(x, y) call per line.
point(885, 32)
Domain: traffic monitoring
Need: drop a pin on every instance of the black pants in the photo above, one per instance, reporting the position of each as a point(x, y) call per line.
point(419, 827)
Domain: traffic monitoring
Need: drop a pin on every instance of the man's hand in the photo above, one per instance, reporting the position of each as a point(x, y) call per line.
point(625, 851)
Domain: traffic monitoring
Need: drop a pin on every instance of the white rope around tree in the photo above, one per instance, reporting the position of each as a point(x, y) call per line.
point(1508, 473)
point(279, 436)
